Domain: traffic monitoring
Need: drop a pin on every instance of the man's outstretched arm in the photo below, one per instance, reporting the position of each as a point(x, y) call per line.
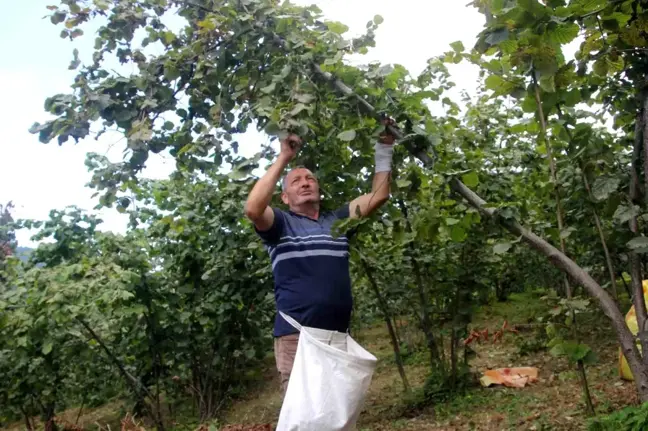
point(366, 204)
point(257, 207)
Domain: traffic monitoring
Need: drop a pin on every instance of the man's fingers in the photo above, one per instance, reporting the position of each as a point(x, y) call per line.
point(294, 138)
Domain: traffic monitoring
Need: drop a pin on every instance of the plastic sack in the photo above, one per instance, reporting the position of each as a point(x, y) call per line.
point(631, 321)
point(328, 383)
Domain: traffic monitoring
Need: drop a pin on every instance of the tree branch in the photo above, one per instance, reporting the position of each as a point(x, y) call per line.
point(132, 380)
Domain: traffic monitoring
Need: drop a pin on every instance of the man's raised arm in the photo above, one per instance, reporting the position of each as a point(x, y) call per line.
point(366, 204)
point(257, 205)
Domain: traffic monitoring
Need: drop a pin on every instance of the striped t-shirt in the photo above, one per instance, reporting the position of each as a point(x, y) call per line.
point(311, 271)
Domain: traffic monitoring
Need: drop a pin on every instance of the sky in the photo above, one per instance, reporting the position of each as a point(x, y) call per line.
point(40, 177)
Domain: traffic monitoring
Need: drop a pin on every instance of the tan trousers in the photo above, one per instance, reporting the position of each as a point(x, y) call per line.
point(285, 349)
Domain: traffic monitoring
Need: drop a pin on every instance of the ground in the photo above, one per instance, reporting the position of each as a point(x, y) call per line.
point(553, 403)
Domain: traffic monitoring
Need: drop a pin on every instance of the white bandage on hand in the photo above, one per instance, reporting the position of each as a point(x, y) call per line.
point(383, 156)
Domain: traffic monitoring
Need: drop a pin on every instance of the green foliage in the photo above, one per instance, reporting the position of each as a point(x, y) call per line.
point(7, 238)
point(169, 303)
point(633, 418)
point(562, 332)
point(182, 302)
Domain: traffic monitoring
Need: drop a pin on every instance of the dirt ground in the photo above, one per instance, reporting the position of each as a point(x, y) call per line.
point(554, 402)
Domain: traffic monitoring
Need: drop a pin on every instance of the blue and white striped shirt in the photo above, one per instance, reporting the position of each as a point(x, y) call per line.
point(311, 271)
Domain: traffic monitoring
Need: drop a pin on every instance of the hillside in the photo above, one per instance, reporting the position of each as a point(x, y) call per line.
point(23, 253)
point(554, 402)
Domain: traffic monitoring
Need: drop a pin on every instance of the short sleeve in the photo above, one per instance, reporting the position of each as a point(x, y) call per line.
point(272, 235)
point(342, 212)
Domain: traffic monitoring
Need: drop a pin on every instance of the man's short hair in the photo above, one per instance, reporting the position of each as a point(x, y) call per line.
point(283, 180)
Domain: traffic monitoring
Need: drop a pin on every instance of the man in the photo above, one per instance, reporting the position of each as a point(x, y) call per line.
point(310, 266)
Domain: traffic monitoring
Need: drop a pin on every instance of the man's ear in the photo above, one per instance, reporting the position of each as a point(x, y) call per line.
point(284, 198)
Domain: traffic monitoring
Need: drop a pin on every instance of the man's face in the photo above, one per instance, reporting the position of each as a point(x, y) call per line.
point(301, 187)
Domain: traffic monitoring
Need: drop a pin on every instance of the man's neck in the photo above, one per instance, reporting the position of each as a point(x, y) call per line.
point(310, 210)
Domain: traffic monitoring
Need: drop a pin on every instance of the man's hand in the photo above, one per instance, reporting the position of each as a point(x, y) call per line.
point(386, 137)
point(257, 206)
point(290, 145)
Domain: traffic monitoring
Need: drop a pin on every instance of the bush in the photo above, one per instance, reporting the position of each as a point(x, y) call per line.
point(633, 418)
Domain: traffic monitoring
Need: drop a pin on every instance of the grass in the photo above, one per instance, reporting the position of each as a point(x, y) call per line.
point(553, 403)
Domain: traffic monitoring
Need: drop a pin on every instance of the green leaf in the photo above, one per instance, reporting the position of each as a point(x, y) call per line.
point(47, 347)
point(566, 232)
point(563, 34)
point(578, 304)
point(58, 17)
point(403, 183)
point(471, 179)
point(458, 234)
point(305, 98)
point(347, 135)
point(337, 27)
point(590, 358)
point(168, 37)
point(639, 243)
point(600, 67)
point(494, 82)
point(603, 187)
point(168, 125)
point(615, 64)
point(269, 88)
point(502, 248)
point(624, 213)
point(497, 5)
point(548, 83)
point(572, 97)
point(451, 221)
point(497, 36)
point(557, 350)
point(297, 109)
point(378, 19)
point(592, 5)
point(457, 46)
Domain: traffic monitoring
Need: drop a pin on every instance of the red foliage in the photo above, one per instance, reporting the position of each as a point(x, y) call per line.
point(266, 427)
point(480, 336)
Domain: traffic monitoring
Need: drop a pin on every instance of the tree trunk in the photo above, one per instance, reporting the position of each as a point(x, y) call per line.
point(453, 358)
point(636, 275)
point(83, 401)
point(625, 284)
point(50, 423)
point(388, 320)
point(140, 391)
point(426, 322)
point(597, 219)
point(586, 393)
point(644, 128)
point(606, 302)
point(554, 178)
point(558, 259)
point(28, 423)
point(561, 223)
point(606, 251)
point(397, 330)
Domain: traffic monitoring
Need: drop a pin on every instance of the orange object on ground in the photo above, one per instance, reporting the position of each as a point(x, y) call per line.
point(631, 321)
point(510, 377)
